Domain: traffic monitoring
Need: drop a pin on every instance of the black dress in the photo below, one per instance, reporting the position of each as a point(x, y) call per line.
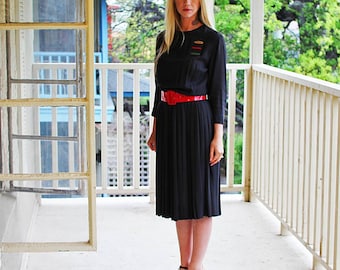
point(187, 187)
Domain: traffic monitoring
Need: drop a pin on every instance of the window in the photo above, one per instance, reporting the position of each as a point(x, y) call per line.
point(47, 117)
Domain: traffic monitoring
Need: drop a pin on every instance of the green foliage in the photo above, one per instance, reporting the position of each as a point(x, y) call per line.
point(238, 158)
point(238, 148)
point(314, 49)
point(315, 66)
point(138, 42)
point(233, 22)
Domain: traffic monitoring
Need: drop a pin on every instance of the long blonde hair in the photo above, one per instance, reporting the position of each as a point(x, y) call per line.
point(173, 23)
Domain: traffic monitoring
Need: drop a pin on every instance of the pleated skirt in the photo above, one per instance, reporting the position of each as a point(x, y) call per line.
point(187, 187)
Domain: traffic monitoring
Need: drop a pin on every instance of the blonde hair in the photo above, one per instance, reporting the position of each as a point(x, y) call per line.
point(173, 23)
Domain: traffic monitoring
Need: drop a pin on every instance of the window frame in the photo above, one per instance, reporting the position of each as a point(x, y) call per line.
point(89, 173)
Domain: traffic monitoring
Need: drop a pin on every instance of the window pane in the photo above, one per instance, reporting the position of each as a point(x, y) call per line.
point(50, 136)
point(47, 11)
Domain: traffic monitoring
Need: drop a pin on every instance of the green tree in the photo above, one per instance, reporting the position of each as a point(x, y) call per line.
point(233, 21)
point(144, 21)
point(312, 49)
point(318, 44)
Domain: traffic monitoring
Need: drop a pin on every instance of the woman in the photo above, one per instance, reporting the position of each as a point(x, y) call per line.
point(190, 69)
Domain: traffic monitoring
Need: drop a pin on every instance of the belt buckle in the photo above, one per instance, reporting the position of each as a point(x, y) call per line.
point(170, 99)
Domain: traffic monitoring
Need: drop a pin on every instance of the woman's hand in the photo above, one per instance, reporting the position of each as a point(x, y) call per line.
point(152, 139)
point(216, 145)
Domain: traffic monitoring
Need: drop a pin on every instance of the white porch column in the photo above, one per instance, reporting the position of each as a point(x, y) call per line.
point(256, 31)
point(256, 57)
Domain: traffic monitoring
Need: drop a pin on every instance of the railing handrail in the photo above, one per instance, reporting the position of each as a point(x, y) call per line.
point(146, 65)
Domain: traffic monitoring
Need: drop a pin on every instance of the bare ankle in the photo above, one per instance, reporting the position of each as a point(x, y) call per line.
point(195, 267)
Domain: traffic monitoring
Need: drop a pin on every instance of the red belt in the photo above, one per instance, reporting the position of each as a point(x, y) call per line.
point(172, 98)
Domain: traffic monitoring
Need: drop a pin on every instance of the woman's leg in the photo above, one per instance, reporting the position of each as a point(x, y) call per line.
point(193, 237)
point(185, 240)
point(201, 236)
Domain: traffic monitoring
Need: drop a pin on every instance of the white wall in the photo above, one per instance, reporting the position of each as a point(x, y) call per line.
point(17, 210)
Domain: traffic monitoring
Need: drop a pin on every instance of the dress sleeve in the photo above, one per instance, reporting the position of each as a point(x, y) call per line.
point(217, 81)
point(158, 90)
point(156, 102)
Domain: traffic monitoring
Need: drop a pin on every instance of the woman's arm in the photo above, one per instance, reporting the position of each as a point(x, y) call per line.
point(216, 145)
point(152, 139)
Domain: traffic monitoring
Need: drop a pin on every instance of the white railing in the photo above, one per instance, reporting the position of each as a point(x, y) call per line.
point(296, 157)
point(124, 97)
point(127, 166)
point(138, 155)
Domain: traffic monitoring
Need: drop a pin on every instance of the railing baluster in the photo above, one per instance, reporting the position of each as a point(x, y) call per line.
point(336, 177)
point(231, 127)
point(104, 129)
point(321, 181)
point(302, 164)
point(295, 187)
point(136, 129)
point(71, 121)
point(271, 141)
point(54, 125)
point(120, 130)
point(309, 176)
point(315, 169)
point(275, 157)
point(280, 203)
point(327, 213)
point(291, 151)
point(266, 137)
